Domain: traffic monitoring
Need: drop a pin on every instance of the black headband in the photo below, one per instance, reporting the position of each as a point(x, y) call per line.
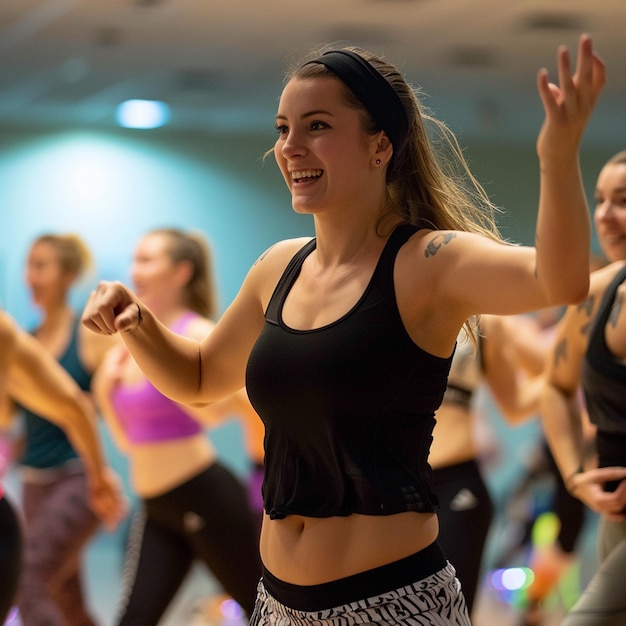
point(372, 89)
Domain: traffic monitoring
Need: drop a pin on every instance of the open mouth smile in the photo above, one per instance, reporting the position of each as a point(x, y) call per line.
point(304, 176)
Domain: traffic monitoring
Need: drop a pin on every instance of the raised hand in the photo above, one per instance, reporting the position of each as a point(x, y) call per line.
point(569, 104)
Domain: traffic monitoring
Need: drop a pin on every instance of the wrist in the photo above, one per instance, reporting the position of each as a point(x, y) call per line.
point(96, 478)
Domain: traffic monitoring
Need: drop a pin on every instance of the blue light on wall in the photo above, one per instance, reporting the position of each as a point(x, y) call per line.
point(142, 114)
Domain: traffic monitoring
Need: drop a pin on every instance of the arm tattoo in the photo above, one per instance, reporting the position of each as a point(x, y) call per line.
point(560, 352)
point(436, 242)
point(615, 311)
point(586, 306)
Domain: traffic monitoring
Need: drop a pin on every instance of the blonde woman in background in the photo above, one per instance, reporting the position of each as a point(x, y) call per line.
point(59, 521)
point(192, 506)
point(33, 378)
point(590, 353)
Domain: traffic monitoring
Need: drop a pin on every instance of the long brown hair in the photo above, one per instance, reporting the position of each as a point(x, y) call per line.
point(200, 292)
point(427, 187)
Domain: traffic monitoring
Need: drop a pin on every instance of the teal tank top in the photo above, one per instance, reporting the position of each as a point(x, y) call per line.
point(47, 445)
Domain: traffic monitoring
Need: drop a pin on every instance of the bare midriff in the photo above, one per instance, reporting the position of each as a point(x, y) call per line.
point(309, 551)
point(158, 467)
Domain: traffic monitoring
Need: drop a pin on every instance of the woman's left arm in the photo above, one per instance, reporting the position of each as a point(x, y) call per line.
point(563, 231)
point(472, 274)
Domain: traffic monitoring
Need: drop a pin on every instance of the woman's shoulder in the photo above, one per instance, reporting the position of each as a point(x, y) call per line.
point(8, 327)
point(283, 250)
point(576, 322)
point(273, 261)
point(600, 279)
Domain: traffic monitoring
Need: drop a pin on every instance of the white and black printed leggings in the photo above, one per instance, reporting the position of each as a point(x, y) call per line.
point(434, 599)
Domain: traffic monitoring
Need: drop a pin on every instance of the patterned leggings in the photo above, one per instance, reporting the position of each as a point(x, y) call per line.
point(435, 600)
point(59, 525)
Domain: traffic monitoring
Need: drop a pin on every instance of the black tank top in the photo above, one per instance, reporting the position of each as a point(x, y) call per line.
point(349, 407)
point(604, 384)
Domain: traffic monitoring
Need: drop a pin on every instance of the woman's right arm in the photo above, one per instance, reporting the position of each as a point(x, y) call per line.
point(186, 370)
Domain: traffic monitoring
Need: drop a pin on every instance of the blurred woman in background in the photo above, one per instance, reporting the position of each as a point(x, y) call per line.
point(55, 503)
point(33, 378)
point(193, 506)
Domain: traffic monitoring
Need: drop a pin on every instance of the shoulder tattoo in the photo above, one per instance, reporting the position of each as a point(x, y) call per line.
point(432, 247)
point(263, 255)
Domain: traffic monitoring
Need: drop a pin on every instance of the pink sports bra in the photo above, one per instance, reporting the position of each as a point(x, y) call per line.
point(146, 415)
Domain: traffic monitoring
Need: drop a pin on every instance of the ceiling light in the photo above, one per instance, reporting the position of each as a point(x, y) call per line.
point(142, 114)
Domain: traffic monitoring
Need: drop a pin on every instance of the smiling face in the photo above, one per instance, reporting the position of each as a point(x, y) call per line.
point(322, 150)
point(610, 211)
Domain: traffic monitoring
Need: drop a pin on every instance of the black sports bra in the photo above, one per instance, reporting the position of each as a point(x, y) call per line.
point(603, 380)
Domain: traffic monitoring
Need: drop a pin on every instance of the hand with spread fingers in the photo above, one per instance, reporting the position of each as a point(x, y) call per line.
point(569, 104)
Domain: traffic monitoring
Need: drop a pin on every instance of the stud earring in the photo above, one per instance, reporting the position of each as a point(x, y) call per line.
point(377, 161)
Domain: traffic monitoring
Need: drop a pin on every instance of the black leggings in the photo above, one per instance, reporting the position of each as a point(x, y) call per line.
point(10, 557)
point(569, 510)
point(206, 518)
point(464, 520)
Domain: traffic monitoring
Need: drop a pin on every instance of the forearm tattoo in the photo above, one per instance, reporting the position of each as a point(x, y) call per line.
point(432, 247)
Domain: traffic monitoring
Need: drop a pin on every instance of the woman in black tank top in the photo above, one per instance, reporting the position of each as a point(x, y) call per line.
point(590, 351)
point(344, 342)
